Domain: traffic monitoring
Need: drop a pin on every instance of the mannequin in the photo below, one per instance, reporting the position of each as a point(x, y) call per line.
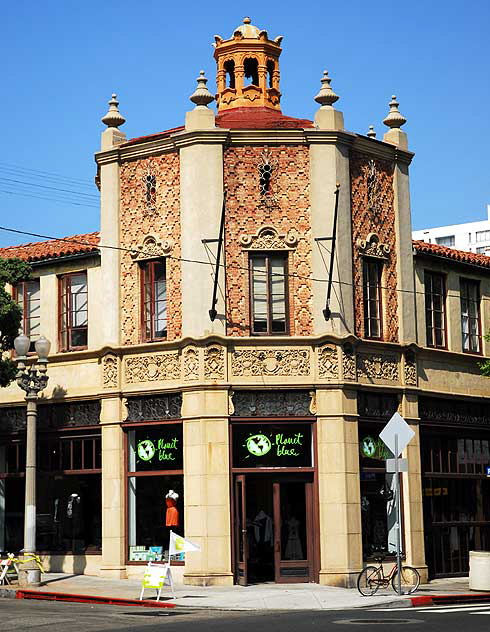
point(172, 514)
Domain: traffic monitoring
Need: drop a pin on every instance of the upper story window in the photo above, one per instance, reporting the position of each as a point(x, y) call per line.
point(28, 296)
point(372, 271)
point(73, 311)
point(448, 241)
point(470, 315)
point(483, 250)
point(483, 235)
point(435, 313)
point(154, 300)
point(268, 296)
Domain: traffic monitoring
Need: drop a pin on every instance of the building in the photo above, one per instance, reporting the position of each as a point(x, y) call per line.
point(471, 236)
point(252, 400)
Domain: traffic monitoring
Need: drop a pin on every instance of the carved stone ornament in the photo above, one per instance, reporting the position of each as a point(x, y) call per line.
point(374, 188)
point(328, 362)
point(378, 367)
point(371, 247)
point(288, 362)
point(452, 411)
point(349, 371)
point(313, 408)
point(214, 363)
point(152, 247)
point(109, 371)
point(271, 403)
point(267, 238)
point(410, 368)
point(152, 368)
point(190, 359)
point(231, 406)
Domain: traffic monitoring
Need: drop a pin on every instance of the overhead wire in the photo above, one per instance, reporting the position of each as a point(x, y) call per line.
point(38, 173)
point(229, 266)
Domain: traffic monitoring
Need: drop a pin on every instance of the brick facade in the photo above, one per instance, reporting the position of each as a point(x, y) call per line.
point(138, 221)
point(373, 212)
point(246, 213)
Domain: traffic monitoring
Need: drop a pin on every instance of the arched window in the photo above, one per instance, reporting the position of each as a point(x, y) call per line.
point(230, 73)
point(270, 71)
point(251, 69)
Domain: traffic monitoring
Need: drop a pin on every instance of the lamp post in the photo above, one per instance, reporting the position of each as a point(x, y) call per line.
point(32, 379)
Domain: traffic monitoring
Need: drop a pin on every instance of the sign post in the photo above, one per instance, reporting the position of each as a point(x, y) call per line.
point(396, 435)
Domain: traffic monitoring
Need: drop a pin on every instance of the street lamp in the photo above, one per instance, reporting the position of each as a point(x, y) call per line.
point(32, 379)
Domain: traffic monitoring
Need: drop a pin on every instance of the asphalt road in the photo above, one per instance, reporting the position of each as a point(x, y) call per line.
point(51, 616)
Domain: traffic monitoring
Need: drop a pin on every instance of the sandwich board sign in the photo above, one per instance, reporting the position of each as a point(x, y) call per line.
point(155, 576)
point(396, 435)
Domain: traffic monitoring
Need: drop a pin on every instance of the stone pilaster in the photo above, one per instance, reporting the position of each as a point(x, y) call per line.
point(113, 483)
point(412, 516)
point(207, 487)
point(339, 491)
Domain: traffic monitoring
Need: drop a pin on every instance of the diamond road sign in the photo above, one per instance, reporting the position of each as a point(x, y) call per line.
point(396, 426)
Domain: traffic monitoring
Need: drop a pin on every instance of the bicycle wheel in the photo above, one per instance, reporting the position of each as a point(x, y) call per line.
point(369, 580)
point(410, 580)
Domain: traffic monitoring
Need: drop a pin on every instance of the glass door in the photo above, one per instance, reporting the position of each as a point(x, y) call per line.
point(241, 540)
point(293, 531)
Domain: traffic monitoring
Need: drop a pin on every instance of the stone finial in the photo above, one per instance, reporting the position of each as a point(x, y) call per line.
point(113, 118)
point(395, 119)
point(201, 95)
point(371, 132)
point(326, 96)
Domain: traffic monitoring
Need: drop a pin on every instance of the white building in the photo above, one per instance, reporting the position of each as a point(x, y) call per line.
point(471, 236)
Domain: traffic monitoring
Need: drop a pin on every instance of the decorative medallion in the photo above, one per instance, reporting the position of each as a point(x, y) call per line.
point(152, 247)
point(371, 247)
point(328, 362)
point(214, 363)
point(268, 238)
point(252, 362)
point(152, 368)
point(378, 367)
point(349, 362)
point(191, 363)
point(410, 368)
point(109, 371)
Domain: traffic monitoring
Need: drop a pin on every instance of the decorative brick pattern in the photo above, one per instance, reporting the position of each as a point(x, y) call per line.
point(137, 221)
point(245, 213)
point(373, 212)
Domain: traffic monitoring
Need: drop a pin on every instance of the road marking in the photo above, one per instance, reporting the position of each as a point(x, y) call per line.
point(440, 609)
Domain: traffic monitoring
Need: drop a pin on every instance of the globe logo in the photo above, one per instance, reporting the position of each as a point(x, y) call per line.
point(146, 450)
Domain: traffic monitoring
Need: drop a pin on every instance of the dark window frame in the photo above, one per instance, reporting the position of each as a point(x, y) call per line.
point(268, 255)
point(26, 317)
point(466, 283)
point(367, 264)
point(147, 277)
point(65, 318)
point(431, 339)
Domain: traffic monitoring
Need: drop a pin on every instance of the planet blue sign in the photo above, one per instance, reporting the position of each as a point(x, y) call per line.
point(272, 445)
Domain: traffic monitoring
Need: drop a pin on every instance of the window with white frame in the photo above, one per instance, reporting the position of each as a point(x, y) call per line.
point(470, 315)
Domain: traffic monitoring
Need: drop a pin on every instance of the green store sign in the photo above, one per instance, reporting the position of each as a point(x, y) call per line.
point(373, 448)
point(159, 448)
point(272, 445)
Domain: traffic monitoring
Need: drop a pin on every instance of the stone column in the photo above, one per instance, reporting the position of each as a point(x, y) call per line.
point(339, 487)
point(207, 487)
point(113, 491)
point(412, 517)
point(329, 165)
point(201, 201)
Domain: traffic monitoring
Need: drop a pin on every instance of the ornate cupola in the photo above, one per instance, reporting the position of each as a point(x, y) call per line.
point(248, 69)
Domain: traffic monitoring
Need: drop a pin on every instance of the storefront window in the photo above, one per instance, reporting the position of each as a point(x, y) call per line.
point(69, 500)
point(377, 493)
point(155, 491)
point(272, 445)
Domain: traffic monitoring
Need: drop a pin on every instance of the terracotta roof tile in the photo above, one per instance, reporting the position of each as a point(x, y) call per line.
point(259, 118)
point(462, 256)
point(40, 250)
point(157, 136)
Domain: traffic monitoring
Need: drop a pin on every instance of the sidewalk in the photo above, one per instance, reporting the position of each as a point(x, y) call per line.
point(258, 597)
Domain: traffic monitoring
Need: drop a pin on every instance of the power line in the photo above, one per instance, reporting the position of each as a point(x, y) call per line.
point(208, 263)
point(40, 172)
point(44, 186)
point(49, 199)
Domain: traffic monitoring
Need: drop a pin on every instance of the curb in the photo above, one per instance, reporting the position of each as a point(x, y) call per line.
point(440, 600)
point(113, 601)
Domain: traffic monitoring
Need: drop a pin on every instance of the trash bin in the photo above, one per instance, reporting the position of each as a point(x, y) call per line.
point(480, 570)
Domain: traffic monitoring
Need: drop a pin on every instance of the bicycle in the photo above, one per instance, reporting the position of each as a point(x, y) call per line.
point(371, 578)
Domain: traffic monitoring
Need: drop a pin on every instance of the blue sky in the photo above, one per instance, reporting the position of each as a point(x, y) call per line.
point(62, 61)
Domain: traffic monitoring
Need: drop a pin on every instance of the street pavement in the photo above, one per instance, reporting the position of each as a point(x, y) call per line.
point(268, 596)
point(20, 615)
